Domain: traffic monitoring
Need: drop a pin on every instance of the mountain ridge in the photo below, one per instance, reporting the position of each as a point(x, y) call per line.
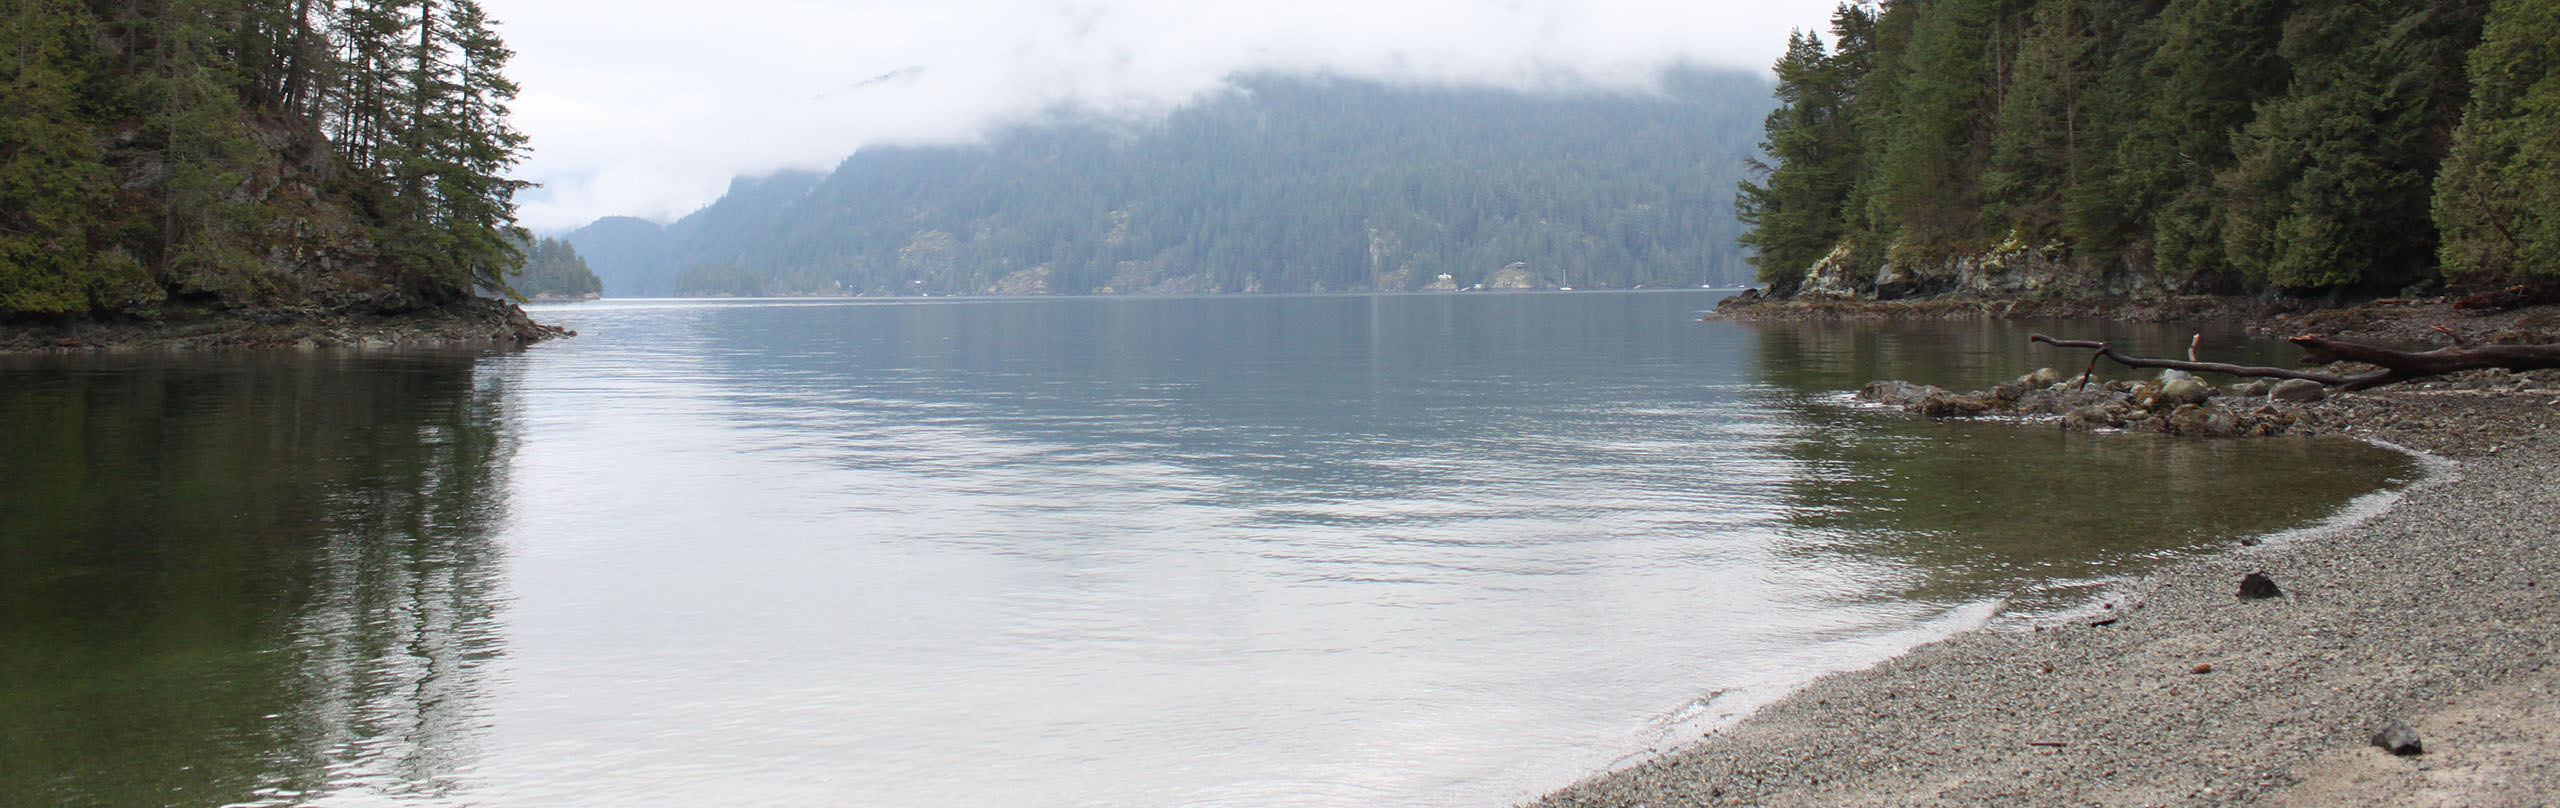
point(1288, 184)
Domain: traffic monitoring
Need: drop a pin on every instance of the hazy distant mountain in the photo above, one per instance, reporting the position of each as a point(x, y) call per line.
point(1288, 185)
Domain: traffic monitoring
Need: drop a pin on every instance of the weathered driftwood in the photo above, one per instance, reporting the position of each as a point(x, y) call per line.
point(2394, 366)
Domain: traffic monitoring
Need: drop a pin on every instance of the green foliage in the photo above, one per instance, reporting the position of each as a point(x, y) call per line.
point(2498, 199)
point(1284, 185)
point(552, 268)
point(1796, 215)
point(2330, 182)
point(247, 153)
point(2198, 144)
point(51, 180)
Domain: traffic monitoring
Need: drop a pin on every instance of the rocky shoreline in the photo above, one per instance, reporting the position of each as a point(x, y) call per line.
point(2402, 321)
point(2442, 612)
point(478, 323)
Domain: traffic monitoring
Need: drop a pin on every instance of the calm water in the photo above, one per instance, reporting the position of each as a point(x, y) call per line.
point(1401, 550)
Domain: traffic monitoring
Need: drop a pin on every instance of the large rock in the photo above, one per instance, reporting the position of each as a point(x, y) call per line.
point(2399, 739)
point(2257, 586)
point(2182, 391)
point(1943, 404)
point(2298, 390)
point(2094, 416)
point(2041, 379)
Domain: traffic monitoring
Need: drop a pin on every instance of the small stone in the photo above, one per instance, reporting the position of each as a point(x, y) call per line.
point(2257, 586)
point(2398, 739)
point(2202, 667)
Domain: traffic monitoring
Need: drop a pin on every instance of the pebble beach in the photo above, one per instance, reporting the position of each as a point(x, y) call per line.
point(2442, 612)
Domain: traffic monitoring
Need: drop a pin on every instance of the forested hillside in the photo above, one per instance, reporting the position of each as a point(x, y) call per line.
point(2078, 147)
point(283, 156)
point(1285, 185)
point(553, 270)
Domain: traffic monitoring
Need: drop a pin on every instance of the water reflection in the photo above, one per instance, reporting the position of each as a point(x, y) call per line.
point(245, 580)
point(1973, 509)
point(1972, 355)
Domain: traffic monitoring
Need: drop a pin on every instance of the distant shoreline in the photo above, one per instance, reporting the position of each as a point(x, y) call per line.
point(2443, 611)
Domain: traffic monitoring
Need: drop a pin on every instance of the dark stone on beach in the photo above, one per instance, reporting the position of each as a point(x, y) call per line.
point(2298, 390)
point(2257, 586)
point(2398, 739)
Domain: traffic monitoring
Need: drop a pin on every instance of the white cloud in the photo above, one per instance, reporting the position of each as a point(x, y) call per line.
point(649, 107)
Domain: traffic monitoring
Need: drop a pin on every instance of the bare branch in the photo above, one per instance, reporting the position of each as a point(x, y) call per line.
point(2395, 365)
point(2104, 350)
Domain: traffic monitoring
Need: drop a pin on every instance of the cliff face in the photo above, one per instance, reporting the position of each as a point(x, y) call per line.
point(2011, 271)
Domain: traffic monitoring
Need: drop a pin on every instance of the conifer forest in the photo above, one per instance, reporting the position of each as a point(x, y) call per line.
point(2237, 146)
point(162, 156)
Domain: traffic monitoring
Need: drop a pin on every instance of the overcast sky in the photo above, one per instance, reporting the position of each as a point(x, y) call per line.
point(649, 107)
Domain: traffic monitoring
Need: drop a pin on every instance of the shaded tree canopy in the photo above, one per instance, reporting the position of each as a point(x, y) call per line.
point(233, 154)
point(2178, 145)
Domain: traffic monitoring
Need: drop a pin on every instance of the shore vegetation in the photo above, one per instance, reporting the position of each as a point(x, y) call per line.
point(175, 158)
point(2174, 146)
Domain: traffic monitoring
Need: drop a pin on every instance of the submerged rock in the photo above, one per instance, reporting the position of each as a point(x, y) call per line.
point(1897, 393)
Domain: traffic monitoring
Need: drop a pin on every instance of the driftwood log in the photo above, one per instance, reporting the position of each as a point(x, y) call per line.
point(2392, 366)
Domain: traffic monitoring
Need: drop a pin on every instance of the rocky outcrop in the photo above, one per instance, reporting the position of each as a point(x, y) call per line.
point(2011, 270)
point(2175, 403)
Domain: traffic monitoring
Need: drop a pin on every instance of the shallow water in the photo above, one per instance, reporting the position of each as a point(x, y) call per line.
point(1377, 550)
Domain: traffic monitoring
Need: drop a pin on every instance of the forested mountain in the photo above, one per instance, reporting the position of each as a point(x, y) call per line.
point(1285, 185)
point(553, 271)
point(2023, 146)
point(280, 155)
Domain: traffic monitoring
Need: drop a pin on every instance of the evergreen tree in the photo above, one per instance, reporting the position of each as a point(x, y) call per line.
point(179, 152)
point(52, 180)
point(2330, 181)
point(2498, 197)
point(1795, 217)
point(552, 268)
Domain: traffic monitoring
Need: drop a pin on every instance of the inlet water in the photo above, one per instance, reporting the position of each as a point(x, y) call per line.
point(1426, 550)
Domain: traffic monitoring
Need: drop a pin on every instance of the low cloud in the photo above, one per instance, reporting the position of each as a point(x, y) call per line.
point(649, 107)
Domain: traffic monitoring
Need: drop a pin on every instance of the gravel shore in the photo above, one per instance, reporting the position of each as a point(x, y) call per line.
point(2443, 612)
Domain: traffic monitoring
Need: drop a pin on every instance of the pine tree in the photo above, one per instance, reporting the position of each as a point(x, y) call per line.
point(54, 191)
point(2497, 199)
point(2330, 181)
point(1796, 216)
